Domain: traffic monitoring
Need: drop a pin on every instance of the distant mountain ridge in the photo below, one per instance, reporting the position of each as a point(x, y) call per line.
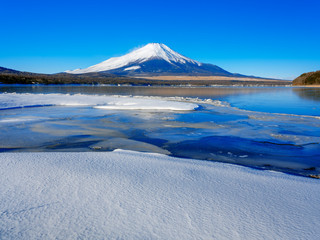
point(11, 76)
point(154, 59)
point(8, 70)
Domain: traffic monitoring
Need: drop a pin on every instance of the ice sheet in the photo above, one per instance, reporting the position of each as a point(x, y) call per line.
point(215, 131)
point(12, 100)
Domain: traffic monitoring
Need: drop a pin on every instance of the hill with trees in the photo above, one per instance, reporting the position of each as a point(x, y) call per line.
point(310, 78)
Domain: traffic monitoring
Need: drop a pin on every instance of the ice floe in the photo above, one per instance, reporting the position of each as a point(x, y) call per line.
point(12, 100)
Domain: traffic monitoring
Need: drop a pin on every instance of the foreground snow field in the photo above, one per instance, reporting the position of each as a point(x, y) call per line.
point(131, 195)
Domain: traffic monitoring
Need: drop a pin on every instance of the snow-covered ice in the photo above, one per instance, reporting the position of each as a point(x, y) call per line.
point(149, 51)
point(13, 100)
point(131, 195)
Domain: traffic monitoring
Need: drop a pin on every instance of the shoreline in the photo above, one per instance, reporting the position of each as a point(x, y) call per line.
point(168, 83)
point(210, 78)
point(306, 173)
point(202, 85)
point(307, 86)
point(137, 80)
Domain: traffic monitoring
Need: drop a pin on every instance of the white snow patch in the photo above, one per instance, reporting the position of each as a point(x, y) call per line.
point(209, 101)
point(132, 68)
point(150, 51)
point(13, 100)
point(22, 119)
point(130, 195)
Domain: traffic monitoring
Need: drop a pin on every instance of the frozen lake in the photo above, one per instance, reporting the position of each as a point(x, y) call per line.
point(271, 128)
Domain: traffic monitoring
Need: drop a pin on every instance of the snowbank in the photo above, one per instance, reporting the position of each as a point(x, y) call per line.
point(13, 100)
point(130, 195)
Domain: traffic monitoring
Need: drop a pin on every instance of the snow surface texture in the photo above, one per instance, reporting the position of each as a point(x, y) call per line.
point(130, 195)
point(148, 52)
point(13, 100)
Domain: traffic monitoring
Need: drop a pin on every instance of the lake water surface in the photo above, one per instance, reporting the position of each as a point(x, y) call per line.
point(274, 128)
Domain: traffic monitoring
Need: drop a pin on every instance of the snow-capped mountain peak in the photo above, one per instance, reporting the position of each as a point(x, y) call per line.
point(161, 51)
point(150, 51)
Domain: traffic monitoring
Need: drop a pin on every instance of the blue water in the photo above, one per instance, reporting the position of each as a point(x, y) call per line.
point(302, 101)
point(291, 100)
point(271, 128)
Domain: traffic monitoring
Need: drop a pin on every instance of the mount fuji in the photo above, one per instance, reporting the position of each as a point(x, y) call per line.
point(154, 59)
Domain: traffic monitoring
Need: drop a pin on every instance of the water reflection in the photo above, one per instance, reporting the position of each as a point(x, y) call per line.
point(202, 92)
point(312, 94)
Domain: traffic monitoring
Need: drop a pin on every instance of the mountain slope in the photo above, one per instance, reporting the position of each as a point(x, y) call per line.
point(154, 59)
point(11, 76)
point(7, 70)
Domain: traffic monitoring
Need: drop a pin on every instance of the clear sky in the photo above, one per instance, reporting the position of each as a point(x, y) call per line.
point(273, 38)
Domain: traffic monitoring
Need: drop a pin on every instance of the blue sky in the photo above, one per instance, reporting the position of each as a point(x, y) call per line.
point(271, 38)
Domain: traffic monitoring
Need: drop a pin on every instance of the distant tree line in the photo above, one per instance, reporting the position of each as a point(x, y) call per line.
point(106, 78)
